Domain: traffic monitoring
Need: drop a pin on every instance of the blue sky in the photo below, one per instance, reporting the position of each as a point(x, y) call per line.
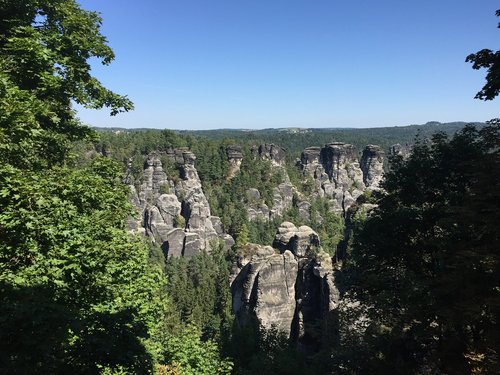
point(204, 64)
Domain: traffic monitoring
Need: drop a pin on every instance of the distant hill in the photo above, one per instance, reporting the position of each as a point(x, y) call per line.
point(294, 140)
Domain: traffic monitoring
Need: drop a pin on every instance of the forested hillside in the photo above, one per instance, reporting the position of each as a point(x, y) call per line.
point(294, 140)
point(279, 251)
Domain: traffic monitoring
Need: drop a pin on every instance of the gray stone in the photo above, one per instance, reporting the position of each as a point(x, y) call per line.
point(253, 194)
point(304, 210)
point(192, 244)
point(399, 150)
point(310, 155)
point(282, 199)
point(234, 157)
point(289, 292)
point(372, 165)
point(285, 232)
point(228, 241)
point(338, 174)
point(273, 153)
point(265, 290)
point(169, 208)
point(258, 211)
point(300, 241)
point(160, 211)
point(174, 245)
point(217, 225)
point(304, 241)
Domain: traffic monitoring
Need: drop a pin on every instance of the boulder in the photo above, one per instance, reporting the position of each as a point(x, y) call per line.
point(192, 244)
point(253, 194)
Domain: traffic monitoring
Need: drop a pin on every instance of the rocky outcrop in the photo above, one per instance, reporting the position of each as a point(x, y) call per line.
point(300, 241)
point(257, 208)
point(234, 157)
point(268, 151)
point(265, 289)
point(340, 174)
point(291, 290)
point(399, 150)
point(174, 210)
point(282, 199)
point(372, 166)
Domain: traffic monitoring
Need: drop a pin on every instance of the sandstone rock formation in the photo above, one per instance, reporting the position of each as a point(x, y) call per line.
point(175, 214)
point(268, 151)
point(283, 194)
point(265, 289)
point(235, 157)
point(291, 289)
point(372, 165)
point(300, 241)
point(257, 209)
point(282, 199)
point(340, 174)
point(398, 149)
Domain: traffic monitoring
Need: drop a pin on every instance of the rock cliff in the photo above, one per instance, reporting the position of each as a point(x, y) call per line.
point(283, 194)
point(235, 157)
point(290, 287)
point(399, 150)
point(372, 166)
point(340, 174)
point(174, 211)
point(268, 151)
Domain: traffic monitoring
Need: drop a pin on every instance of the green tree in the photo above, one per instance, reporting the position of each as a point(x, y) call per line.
point(78, 294)
point(198, 287)
point(426, 262)
point(193, 356)
point(44, 50)
point(242, 236)
point(490, 60)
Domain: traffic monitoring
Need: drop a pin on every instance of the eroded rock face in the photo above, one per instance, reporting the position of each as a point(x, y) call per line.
point(257, 208)
point(175, 215)
point(310, 156)
point(372, 165)
point(235, 157)
point(341, 164)
point(265, 289)
point(300, 241)
point(399, 150)
point(290, 290)
point(282, 199)
point(337, 173)
point(268, 151)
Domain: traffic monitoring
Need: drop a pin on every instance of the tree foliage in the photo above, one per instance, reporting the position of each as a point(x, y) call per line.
point(489, 60)
point(194, 356)
point(78, 294)
point(426, 263)
point(44, 50)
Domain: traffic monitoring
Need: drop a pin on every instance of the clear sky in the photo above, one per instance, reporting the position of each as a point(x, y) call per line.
point(204, 64)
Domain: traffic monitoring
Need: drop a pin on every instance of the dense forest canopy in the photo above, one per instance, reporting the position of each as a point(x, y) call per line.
point(415, 265)
point(294, 140)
